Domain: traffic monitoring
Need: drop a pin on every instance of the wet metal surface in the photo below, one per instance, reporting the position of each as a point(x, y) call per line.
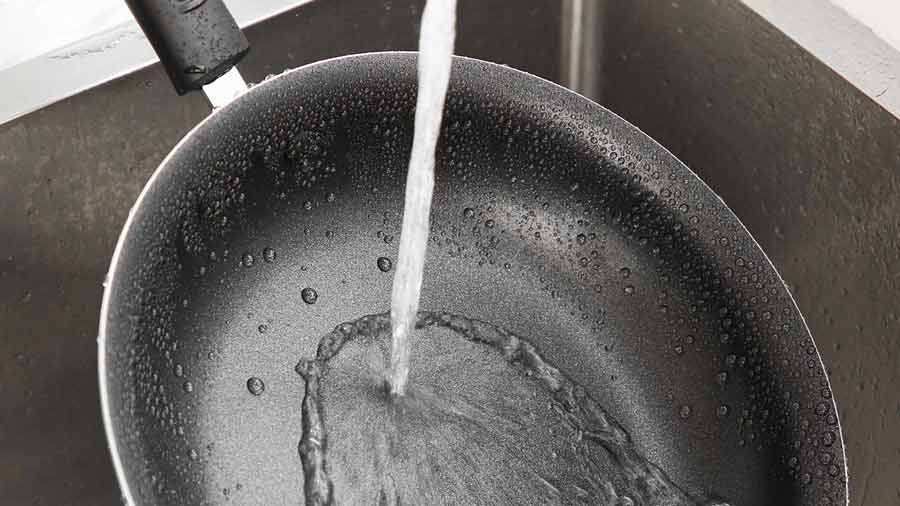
point(68, 176)
point(623, 270)
point(809, 164)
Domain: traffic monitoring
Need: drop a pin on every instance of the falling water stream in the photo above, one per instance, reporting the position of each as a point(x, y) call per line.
point(435, 56)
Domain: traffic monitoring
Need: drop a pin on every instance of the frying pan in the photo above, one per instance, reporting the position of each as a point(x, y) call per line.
point(553, 218)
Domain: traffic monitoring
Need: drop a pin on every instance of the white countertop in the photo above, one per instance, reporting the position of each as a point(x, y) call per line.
point(881, 16)
point(53, 49)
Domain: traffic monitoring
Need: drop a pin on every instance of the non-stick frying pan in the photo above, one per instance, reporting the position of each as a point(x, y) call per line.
point(553, 218)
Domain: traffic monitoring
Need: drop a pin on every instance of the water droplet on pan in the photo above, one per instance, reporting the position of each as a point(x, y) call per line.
point(256, 386)
point(309, 295)
point(384, 264)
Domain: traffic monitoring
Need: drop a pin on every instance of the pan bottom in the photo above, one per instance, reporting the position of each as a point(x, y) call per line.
point(485, 421)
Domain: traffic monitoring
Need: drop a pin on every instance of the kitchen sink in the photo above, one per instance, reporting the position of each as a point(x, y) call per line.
point(805, 157)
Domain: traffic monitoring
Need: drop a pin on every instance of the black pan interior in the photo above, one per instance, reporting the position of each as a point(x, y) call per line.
point(552, 218)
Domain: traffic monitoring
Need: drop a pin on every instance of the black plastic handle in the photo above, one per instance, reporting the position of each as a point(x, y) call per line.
point(197, 41)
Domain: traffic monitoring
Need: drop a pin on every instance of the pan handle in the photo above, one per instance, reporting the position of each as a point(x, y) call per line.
point(197, 41)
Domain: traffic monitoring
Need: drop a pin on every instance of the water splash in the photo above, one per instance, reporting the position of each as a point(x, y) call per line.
point(488, 421)
point(435, 57)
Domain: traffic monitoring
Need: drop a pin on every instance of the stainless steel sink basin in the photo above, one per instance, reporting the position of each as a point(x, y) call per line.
point(802, 156)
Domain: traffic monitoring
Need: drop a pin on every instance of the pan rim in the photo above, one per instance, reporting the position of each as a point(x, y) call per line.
point(152, 181)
